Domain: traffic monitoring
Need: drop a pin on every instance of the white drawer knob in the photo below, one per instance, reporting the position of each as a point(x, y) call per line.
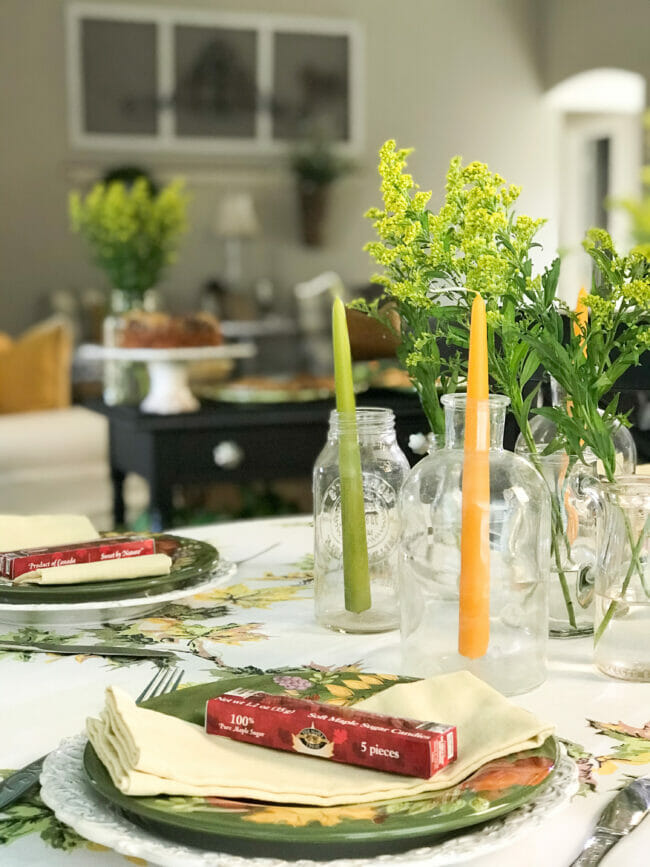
point(228, 455)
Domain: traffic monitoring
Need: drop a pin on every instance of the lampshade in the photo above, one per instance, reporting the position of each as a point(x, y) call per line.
point(235, 217)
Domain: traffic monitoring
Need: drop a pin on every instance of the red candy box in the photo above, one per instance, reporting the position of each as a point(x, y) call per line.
point(401, 746)
point(15, 563)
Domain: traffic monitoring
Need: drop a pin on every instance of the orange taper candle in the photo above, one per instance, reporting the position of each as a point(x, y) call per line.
point(474, 604)
point(582, 315)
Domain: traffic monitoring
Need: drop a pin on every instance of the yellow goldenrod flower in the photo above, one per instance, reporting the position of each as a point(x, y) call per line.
point(133, 233)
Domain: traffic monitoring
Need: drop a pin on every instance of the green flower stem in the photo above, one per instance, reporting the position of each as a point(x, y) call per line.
point(635, 566)
point(431, 405)
point(557, 530)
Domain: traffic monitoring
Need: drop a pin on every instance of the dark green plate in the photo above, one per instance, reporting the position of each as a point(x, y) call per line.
point(191, 559)
point(256, 828)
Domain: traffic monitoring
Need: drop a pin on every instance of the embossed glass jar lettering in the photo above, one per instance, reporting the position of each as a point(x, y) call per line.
point(384, 468)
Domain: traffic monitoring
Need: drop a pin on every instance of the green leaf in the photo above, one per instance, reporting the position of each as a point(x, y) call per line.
point(530, 367)
point(549, 282)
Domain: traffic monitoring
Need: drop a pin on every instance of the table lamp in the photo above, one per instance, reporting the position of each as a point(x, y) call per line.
point(234, 222)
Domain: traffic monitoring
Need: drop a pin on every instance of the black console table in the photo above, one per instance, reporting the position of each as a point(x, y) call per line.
point(225, 442)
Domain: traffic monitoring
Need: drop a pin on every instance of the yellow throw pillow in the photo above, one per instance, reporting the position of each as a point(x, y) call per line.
point(35, 368)
point(5, 342)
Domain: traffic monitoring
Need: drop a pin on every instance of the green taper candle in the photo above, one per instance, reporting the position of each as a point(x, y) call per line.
point(356, 577)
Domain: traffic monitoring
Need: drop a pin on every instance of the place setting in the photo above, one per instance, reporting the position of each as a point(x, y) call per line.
point(61, 571)
point(260, 804)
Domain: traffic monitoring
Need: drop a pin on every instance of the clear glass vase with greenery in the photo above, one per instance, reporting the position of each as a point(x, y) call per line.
point(591, 358)
point(434, 263)
point(133, 231)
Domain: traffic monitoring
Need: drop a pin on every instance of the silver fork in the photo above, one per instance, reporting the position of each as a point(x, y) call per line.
point(166, 680)
point(12, 787)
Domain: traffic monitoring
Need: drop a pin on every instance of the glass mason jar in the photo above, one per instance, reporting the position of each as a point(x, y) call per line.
point(622, 615)
point(124, 381)
point(519, 546)
point(579, 529)
point(384, 468)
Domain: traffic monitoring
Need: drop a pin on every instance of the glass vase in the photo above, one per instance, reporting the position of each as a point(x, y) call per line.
point(430, 560)
point(124, 382)
point(384, 468)
point(622, 608)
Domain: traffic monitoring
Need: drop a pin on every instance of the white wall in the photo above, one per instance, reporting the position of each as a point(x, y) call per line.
point(444, 77)
point(578, 35)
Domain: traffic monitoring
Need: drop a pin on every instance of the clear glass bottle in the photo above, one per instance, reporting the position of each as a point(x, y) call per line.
point(124, 382)
point(384, 468)
point(622, 615)
point(519, 534)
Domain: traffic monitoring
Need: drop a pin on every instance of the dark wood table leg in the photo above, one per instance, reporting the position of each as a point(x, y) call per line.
point(160, 505)
point(117, 480)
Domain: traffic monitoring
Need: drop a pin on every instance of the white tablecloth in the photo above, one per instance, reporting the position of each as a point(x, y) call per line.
point(265, 619)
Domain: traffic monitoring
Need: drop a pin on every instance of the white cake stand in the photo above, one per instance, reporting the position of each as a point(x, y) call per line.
point(169, 391)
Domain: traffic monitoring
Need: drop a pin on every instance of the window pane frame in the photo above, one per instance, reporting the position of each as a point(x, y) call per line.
point(262, 142)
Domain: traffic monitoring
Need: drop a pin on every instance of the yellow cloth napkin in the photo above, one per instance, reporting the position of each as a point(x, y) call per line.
point(102, 570)
point(41, 531)
point(149, 753)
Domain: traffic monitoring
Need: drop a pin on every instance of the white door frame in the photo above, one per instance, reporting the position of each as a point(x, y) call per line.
point(578, 131)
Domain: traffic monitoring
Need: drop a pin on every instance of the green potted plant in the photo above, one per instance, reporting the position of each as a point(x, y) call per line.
point(316, 167)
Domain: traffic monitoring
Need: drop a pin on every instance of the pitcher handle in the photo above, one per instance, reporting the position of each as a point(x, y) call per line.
point(590, 487)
